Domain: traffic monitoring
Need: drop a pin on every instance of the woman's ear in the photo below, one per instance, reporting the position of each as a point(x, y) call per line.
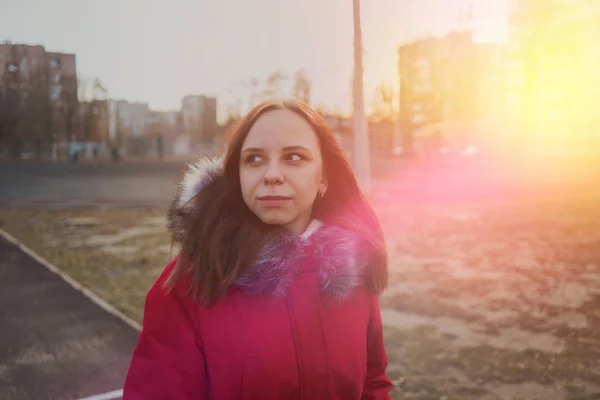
point(323, 188)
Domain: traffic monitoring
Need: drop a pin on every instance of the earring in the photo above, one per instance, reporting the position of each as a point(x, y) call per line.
point(322, 192)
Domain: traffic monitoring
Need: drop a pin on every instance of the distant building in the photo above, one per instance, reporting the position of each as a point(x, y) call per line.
point(199, 120)
point(38, 98)
point(160, 132)
point(126, 125)
point(447, 85)
point(94, 121)
point(136, 130)
point(380, 135)
point(132, 118)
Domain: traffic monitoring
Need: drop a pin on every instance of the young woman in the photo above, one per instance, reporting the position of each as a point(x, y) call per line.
point(274, 292)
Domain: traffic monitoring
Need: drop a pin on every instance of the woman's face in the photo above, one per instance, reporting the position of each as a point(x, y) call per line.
point(281, 170)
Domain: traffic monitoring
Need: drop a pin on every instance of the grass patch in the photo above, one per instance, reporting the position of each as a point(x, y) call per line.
point(121, 279)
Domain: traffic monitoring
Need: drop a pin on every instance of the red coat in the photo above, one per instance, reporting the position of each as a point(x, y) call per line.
point(252, 347)
point(299, 323)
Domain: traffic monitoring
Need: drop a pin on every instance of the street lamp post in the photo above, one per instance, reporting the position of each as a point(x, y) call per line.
point(361, 150)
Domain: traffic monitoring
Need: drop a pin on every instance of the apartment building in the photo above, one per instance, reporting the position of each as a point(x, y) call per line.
point(199, 120)
point(447, 86)
point(38, 97)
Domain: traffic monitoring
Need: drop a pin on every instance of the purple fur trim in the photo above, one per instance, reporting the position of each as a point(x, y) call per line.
point(342, 261)
point(275, 268)
point(338, 253)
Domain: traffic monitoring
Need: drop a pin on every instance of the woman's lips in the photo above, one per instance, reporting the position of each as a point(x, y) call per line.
point(274, 201)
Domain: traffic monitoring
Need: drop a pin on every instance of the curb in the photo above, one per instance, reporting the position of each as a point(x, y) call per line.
point(116, 394)
point(74, 284)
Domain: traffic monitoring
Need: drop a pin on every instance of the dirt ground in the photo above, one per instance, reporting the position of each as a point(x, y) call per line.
point(499, 302)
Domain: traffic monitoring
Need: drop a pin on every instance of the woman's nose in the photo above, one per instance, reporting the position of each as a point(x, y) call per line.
point(273, 174)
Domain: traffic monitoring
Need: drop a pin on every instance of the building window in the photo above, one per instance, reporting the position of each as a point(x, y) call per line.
point(55, 92)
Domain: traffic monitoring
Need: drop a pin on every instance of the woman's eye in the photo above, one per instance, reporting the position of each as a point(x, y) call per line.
point(253, 159)
point(296, 157)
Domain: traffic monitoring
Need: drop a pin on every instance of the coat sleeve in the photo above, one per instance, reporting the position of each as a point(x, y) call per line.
point(168, 362)
point(377, 385)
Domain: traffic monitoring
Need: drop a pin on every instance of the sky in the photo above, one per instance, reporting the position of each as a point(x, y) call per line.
point(158, 51)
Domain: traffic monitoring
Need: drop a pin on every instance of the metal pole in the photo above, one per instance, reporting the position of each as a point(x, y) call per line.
point(361, 149)
point(538, 124)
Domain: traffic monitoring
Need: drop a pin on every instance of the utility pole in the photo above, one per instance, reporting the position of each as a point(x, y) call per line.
point(361, 151)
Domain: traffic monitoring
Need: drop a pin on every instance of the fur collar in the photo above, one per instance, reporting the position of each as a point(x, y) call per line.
point(339, 256)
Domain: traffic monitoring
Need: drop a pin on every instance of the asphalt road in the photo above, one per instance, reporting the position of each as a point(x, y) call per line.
point(153, 183)
point(56, 343)
point(84, 184)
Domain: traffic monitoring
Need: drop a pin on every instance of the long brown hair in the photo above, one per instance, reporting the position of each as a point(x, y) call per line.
point(226, 236)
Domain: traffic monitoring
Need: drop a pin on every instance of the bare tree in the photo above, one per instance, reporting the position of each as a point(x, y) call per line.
point(69, 105)
point(99, 92)
point(10, 108)
point(383, 103)
point(35, 107)
point(274, 86)
point(91, 92)
point(83, 95)
point(83, 86)
point(302, 86)
point(255, 94)
point(35, 124)
point(234, 110)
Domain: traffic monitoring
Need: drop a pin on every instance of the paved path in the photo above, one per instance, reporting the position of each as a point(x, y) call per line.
point(56, 343)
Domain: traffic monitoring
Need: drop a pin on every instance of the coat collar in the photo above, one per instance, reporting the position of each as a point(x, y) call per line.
point(340, 256)
point(314, 226)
